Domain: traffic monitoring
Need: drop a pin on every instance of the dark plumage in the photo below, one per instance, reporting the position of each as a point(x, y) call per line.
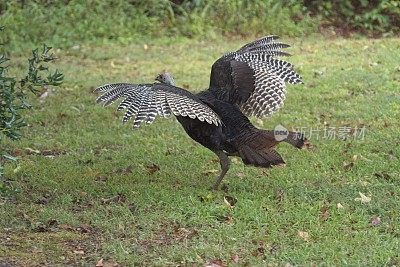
point(247, 82)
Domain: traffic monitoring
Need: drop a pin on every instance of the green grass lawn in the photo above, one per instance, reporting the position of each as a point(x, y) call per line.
point(86, 187)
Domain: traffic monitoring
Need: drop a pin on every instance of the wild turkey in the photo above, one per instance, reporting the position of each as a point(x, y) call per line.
point(247, 82)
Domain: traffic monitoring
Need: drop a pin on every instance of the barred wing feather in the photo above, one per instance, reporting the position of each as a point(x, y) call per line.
point(253, 78)
point(145, 101)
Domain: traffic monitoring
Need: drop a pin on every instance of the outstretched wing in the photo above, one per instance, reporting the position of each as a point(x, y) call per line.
point(145, 101)
point(252, 78)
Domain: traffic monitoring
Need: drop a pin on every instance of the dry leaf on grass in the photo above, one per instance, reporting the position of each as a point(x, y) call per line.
point(363, 198)
point(235, 258)
point(31, 151)
point(225, 219)
point(118, 199)
point(215, 263)
point(100, 263)
point(210, 172)
point(152, 168)
point(324, 213)
point(348, 165)
point(103, 263)
point(230, 201)
point(304, 235)
point(339, 206)
point(376, 220)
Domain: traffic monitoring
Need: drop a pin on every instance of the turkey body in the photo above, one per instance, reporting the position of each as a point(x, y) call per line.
point(216, 137)
point(236, 136)
point(247, 82)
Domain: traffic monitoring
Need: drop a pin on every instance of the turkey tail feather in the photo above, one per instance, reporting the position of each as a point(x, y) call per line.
point(257, 147)
point(260, 158)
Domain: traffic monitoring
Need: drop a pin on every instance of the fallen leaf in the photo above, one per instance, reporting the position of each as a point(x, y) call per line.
point(34, 250)
point(230, 201)
point(101, 178)
point(100, 263)
point(41, 228)
point(215, 263)
point(31, 151)
point(132, 207)
point(348, 165)
point(363, 198)
point(324, 213)
point(304, 235)
point(209, 172)
point(125, 170)
point(274, 249)
point(84, 229)
point(226, 219)
point(152, 168)
point(17, 152)
point(235, 258)
point(119, 198)
point(79, 252)
point(376, 220)
point(44, 200)
point(181, 233)
point(49, 152)
point(52, 223)
point(66, 227)
point(259, 251)
point(383, 175)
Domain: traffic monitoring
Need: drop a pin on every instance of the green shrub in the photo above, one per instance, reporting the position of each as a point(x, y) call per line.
point(71, 22)
point(376, 16)
point(13, 92)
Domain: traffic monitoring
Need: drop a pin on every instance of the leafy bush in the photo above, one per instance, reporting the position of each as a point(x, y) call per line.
point(376, 16)
point(71, 22)
point(13, 93)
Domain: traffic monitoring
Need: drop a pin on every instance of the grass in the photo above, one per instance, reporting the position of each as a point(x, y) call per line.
point(87, 187)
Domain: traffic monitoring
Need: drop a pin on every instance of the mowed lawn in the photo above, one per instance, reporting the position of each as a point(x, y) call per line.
point(87, 187)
